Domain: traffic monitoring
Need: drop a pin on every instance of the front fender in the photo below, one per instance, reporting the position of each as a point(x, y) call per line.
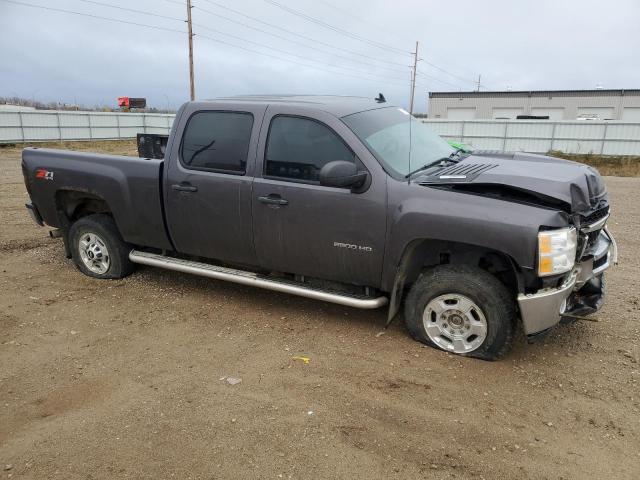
point(441, 215)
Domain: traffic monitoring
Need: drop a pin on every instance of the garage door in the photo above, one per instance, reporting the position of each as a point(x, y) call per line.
point(553, 113)
point(507, 113)
point(461, 113)
point(595, 113)
point(631, 114)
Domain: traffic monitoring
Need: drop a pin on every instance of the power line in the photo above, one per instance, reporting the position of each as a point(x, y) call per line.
point(285, 52)
point(212, 2)
point(436, 79)
point(336, 29)
point(102, 4)
point(110, 19)
point(293, 61)
point(466, 80)
point(357, 37)
point(355, 17)
point(72, 12)
point(296, 42)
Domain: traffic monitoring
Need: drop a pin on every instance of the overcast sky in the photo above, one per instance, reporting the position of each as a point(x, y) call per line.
point(519, 45)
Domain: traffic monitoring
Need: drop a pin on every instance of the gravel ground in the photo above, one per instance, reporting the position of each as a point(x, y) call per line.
point(128, 378)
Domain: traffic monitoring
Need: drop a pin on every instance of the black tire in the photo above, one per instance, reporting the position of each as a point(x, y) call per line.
point(105, 228)
point(485, 290)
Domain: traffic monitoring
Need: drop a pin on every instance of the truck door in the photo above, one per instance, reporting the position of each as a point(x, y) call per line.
point(302, 227)
point(208, 182)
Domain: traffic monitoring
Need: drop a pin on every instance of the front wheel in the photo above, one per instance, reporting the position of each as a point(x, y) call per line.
point(463, 310)
point(97, 248)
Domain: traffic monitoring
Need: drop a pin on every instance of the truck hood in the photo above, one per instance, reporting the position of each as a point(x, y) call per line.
point(524, 177)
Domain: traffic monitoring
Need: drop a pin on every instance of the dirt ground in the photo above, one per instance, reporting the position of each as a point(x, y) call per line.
point(127, 378)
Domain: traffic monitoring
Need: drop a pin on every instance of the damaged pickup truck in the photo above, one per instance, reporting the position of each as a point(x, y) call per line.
point(346, 200)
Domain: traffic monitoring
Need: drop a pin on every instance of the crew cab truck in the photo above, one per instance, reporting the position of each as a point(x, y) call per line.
point(346, 200)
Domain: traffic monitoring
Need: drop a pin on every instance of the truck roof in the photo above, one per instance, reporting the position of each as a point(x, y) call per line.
point(337, 105)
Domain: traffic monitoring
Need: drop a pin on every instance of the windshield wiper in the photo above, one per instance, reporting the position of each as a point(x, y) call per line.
point(450, 158)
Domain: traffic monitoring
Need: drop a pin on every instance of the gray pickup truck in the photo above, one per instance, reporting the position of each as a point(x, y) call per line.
point(345, 200)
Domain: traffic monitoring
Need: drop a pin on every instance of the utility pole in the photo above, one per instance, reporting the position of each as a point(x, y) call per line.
point(479, 76)
point(192, 87)
point(413, 79)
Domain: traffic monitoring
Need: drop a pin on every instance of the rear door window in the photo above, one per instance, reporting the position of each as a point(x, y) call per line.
point(297, 148)
point(217, 141)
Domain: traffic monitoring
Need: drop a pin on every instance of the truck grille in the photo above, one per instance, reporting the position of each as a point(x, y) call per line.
point(587, 240)
point(595, 216)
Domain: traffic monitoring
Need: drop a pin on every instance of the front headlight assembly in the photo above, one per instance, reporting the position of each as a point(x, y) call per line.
point(556, 251)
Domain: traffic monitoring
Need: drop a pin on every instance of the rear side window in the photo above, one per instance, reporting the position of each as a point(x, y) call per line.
point(297, 148)
point(217, 141)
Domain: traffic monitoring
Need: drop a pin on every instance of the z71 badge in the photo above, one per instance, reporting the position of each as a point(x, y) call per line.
point(43, 174)
point(351, 246)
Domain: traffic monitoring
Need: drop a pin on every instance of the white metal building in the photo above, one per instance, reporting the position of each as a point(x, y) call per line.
point(596, 104)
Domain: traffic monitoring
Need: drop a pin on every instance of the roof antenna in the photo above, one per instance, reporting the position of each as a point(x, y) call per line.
point(380, 98)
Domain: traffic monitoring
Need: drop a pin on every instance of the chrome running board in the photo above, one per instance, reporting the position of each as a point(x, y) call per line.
point(253, 279)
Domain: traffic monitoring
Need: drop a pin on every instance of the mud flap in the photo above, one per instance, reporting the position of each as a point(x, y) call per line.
point(396, 298)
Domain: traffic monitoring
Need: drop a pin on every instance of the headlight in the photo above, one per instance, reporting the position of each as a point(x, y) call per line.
point(556, 251)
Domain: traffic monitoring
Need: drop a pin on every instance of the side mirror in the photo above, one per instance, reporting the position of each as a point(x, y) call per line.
point(342, 174)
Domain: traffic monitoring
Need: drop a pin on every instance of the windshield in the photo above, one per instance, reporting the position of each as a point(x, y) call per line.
point(397, 139)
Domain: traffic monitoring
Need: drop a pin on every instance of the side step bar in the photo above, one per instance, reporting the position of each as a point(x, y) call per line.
point(253, 279)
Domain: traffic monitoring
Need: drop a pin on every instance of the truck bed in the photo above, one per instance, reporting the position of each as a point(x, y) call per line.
point(130, 186)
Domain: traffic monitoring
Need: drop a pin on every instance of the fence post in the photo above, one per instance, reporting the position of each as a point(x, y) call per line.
point(144, 123)
point(553, 135)
point(604, 138)
point(21, 126)
point(90, 127)
point(118, 126)
point(504, 137)
point(462, 132)
point(59, 126)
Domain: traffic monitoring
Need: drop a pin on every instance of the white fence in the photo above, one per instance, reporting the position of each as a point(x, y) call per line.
point(51, 125)
point(604, 138)
point(601, 138)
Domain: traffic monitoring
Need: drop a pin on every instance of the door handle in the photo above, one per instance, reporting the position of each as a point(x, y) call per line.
point(273, 200)
point(184, 187)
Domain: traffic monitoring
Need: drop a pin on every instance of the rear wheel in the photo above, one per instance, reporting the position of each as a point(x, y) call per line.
point(97, 248)
point(463, 310)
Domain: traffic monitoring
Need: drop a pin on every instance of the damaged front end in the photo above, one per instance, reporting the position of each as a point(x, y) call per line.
point(575, 286)
point(599, 252)
point(582, 292)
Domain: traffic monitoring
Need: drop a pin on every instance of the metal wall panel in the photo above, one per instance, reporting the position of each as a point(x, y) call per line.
point(533, 145)
point(75, 133)
point(580, 130)
point(48, 125)
point(600, 138)
point(623, 131)
point(608, 138)
point(73, 120)
point(621, 148)
point(530, 130)
point(631, 114)
point(10, 119)
point(485, 129)
point(446, 128)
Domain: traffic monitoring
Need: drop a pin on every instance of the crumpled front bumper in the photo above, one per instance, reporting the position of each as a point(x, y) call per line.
point(581, 293)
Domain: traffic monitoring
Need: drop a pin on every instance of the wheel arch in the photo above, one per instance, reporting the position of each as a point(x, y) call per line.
point(74, 204)
point(425, 253)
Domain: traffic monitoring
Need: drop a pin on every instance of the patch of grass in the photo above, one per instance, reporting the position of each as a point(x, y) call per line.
point(616, 166)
